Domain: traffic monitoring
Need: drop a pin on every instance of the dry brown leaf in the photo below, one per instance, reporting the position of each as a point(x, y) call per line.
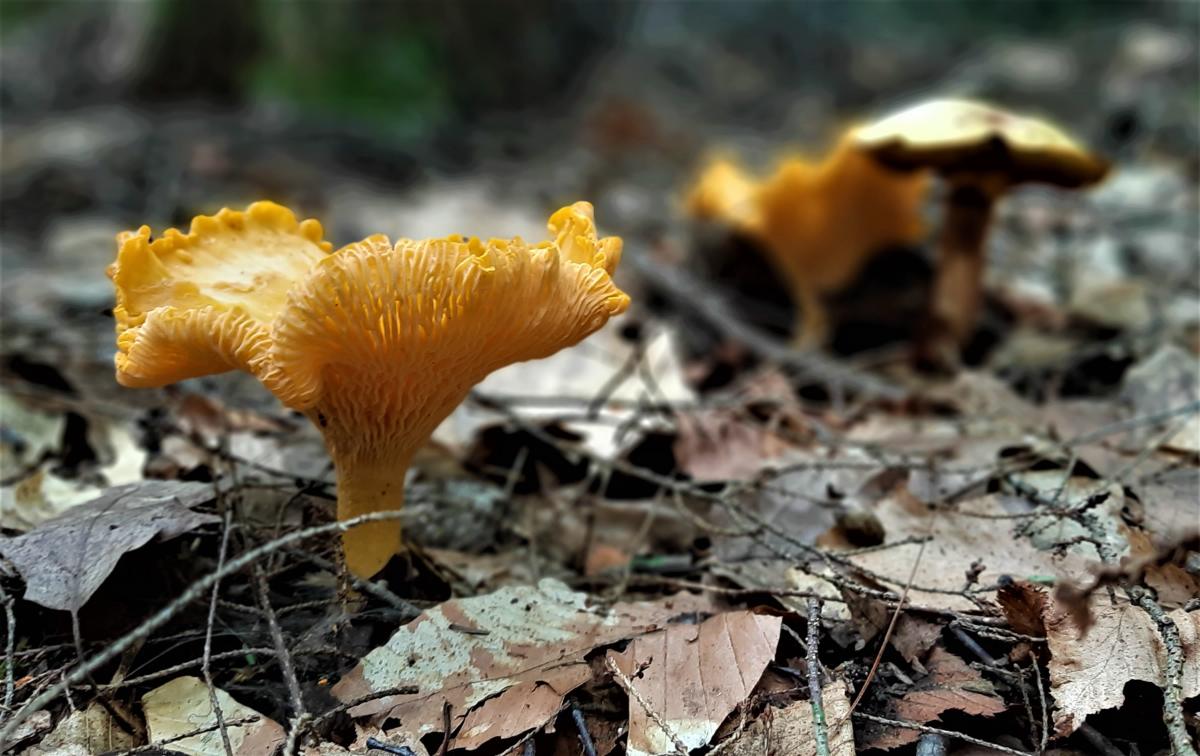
point(1024, 607)
point(1173, 584)
point(491, 652)
point(914, 636)
point(724, 444)
point(528, 701)
point(183, 705)
point(950, 685)
point(1089, 674)
point(789, 731)
point(693, 676)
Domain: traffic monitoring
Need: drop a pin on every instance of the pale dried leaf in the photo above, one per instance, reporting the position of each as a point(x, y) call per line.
point(28, 434)
point(790, 730)
point(1166, 380)
point(183, 705)
point(65, 560)
point(580, 372)
point(40, 497)
point(90, 730)
point(469, 652)
point(957, 540)
point(1089, 674)
point(693, 676)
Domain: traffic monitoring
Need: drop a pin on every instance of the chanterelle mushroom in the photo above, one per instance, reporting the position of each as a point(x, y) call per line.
point(981, 152)
point(376, 343)
point(818, 222)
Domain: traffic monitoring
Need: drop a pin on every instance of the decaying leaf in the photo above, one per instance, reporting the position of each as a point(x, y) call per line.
point(65, 560)
point(724, 444)
point(693, 676)
point(502, 661)
point(89, 730)
point(1024, 607)
point(183, 705)
point(958, 538)
point(951, 685)
point(790, 730)
point(1089, 673)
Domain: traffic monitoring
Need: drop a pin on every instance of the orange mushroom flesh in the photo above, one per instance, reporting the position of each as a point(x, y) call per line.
point(981, 152)
point(819, 223)
point(375, 343)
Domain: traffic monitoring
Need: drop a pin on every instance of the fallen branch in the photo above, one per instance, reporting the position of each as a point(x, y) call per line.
point(703, 301)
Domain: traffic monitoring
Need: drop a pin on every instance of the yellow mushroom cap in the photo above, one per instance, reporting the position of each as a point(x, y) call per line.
point(725, 192)
point(817, 220)
point(965, 136)
point(376, 343)
point(200, 303)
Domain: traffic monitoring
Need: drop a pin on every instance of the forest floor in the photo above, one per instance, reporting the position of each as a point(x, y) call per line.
point(674, 538)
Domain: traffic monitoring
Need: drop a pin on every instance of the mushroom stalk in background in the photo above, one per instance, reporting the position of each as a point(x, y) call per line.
point(376, 343)
point(958, 289)
point(819, 223)
point(981, 152)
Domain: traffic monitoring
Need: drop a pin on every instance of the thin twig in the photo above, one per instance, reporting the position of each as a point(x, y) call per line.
point(1043, 705)
point(820, 730)
point(9, 646)
point(205, 668)
point(299, 714)
point(627, 684)
point(887, 636)
point(700, 300)
point(158, 744)
point(938, 731)
point(177, 668)
point(164, 615)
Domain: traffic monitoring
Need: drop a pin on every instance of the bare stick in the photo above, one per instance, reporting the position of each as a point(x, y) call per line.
point(9, 646)
point(226, 527)
point(701, 301)
point(300, 716)
point(820, 731)
point(585, 737)
point(887, 636)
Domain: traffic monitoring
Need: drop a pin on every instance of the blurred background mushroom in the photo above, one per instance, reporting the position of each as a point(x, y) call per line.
point(980, 152)
point(818, 223)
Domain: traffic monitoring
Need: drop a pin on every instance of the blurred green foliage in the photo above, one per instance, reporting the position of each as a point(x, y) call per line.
point(366, 64)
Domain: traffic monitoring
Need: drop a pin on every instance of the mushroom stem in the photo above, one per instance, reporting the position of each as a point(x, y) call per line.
point(811, 330)
point(366, 486)
point(958, 290)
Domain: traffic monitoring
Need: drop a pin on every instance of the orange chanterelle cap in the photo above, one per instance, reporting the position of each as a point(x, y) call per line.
point(376, 343)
